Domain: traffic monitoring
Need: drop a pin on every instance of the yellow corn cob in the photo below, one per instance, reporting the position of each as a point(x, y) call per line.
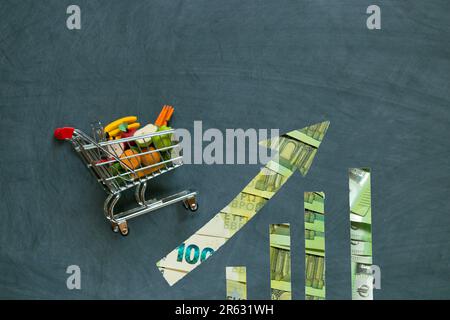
point(117, 131)
point(113, 125)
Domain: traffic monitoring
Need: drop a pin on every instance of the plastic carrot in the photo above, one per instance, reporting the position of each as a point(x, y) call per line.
point(168, 108)
point(161, 116)
point(168, 115)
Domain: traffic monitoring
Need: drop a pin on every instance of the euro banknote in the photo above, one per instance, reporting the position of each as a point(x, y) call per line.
point(314, 201)
point(280, 262)
point(245, 205)
point(314, 240)
point(314, 276)
point(223, 225)
point(362, 281)
point(292, 154)
point(361, 233)
point(361, 248)
point(360, 196)
point(314, 205)
point(265, 184)
point(236, 290)
point(236, 283)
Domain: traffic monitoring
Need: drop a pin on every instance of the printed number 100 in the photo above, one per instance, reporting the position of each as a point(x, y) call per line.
point(192, 253)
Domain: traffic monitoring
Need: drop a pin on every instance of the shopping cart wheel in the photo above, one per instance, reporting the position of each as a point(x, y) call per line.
point(115, 228)
point(123, 228)
point(191, 204)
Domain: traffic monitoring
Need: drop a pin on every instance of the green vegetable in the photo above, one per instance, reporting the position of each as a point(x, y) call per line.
point(163, 141)
point(123, 127)
point(116, 169)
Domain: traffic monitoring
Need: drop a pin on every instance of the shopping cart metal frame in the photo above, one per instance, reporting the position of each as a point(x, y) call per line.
point(98, 156)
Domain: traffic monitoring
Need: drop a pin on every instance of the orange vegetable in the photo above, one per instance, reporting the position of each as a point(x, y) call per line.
point(148, 160)
point(164, 116)
point(168, 116)
point(161, 116)
point(133, 162)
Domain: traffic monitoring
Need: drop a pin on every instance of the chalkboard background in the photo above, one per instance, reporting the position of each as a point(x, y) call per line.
point(232, 64)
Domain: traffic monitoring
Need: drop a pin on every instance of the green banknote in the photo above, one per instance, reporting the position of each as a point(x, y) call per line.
point(314, 252)
point(210, 237)
point(245, 205)
point(280, 262)
point(292, 154)
point(314, 204)
point(236, 282)
point(316, 132)
point(223, 225)
point(362, 281)
point(361, 233)
point(190, 253)
point(314, 221)
point(236, 290)
point(312, 135)
point(296, 149)
point(362, 259)
point(278, 168)
point(314, 240)
point(314, 276)
point(314, 201)
point(361, 248)
point(265, 184)
point(360, 195)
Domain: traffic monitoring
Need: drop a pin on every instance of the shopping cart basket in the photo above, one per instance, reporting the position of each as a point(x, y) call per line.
point(122, 164)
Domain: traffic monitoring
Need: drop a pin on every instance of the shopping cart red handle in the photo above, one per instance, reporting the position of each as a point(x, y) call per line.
point(64, 133)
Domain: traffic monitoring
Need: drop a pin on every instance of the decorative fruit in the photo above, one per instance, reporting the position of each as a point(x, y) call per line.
point(145, 142)
point(115, 124)
point(148, 160)
point(120, 130)
point(134, 126)
point(164, 140)
point(115, 149)
point(128, 133)
point(132, 162)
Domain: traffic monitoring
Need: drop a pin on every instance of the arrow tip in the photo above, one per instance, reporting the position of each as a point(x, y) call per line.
point(298, 148)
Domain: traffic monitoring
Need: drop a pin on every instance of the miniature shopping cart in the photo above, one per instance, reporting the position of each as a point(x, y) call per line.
point(117, 169)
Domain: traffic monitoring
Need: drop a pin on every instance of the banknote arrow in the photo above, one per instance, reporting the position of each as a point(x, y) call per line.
point(295, 150)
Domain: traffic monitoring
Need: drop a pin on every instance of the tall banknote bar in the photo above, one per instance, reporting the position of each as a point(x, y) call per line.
point(314, 207)
point(280, 261)
point(361, 233)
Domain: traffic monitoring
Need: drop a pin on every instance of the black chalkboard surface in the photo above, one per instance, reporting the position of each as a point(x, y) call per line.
point(230, 64)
